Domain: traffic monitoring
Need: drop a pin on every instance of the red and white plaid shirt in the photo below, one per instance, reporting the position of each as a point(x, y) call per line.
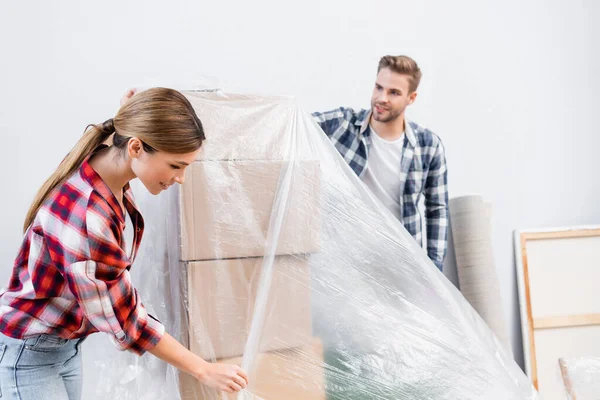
point(71, 276)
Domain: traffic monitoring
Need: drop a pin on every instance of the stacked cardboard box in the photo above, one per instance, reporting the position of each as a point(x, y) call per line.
point(287, 374)
point(230, 210)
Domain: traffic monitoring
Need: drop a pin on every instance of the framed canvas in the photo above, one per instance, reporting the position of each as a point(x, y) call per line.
point(558, 275)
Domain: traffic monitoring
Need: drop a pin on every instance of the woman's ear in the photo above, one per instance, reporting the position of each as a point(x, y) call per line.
point(135, 148)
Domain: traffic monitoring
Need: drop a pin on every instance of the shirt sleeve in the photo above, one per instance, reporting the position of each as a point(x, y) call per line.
point(331, 121)
point(103, 288)
point(436, 207)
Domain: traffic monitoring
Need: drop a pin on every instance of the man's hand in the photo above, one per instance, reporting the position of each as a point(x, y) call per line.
point(129, 94)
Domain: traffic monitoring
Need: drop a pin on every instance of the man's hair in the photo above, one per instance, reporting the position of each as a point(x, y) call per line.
point(403, 65)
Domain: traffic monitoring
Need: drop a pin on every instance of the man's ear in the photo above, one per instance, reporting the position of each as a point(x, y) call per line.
point(412, 97)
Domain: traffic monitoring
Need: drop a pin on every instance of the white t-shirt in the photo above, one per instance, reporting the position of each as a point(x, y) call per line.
point(128, 235)
point(382, 175)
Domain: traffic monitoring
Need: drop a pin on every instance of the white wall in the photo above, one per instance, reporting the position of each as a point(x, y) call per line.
point(511, 87)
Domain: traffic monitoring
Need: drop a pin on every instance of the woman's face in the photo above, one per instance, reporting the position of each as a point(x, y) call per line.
point(158, 170)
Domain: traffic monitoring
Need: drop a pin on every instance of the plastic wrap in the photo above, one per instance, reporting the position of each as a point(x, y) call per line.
point(275, 256)
point(581, 377)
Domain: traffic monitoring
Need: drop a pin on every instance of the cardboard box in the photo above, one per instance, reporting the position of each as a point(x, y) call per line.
point(221, 305)
point(291, 374)
point(264, 128)
point(227, 207)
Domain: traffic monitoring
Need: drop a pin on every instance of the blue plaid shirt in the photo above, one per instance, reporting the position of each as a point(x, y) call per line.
point(423, 174)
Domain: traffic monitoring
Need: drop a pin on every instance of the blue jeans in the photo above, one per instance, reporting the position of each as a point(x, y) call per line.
point(42, 367)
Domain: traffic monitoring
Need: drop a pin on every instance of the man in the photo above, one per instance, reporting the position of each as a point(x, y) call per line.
point(402, 163)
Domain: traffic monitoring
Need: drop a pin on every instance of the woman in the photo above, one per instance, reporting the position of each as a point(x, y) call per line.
point(71, 276)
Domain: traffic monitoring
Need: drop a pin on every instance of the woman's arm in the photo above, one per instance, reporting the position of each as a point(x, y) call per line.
point(225, 377)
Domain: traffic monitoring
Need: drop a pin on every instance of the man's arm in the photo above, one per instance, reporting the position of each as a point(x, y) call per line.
point(436, 207)
point(331, 121)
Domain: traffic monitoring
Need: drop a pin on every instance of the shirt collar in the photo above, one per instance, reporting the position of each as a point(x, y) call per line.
point(410, 134)
point(365, 118)
point(91, 176)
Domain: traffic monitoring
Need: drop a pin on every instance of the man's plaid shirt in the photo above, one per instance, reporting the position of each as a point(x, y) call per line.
point(423, 173)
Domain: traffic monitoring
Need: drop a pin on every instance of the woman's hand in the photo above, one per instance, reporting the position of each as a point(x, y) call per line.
point(223, 377)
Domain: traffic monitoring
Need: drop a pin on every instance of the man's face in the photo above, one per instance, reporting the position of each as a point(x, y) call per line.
point(390, 95)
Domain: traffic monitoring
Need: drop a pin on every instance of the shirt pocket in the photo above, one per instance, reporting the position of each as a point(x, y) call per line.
point(414, 179)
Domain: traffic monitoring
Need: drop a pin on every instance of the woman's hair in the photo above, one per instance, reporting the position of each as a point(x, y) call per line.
point(163, 119)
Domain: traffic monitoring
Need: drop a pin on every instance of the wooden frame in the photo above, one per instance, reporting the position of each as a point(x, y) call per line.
point(528, 323)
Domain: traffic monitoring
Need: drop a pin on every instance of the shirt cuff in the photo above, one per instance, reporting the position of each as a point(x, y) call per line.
point(151, 335)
